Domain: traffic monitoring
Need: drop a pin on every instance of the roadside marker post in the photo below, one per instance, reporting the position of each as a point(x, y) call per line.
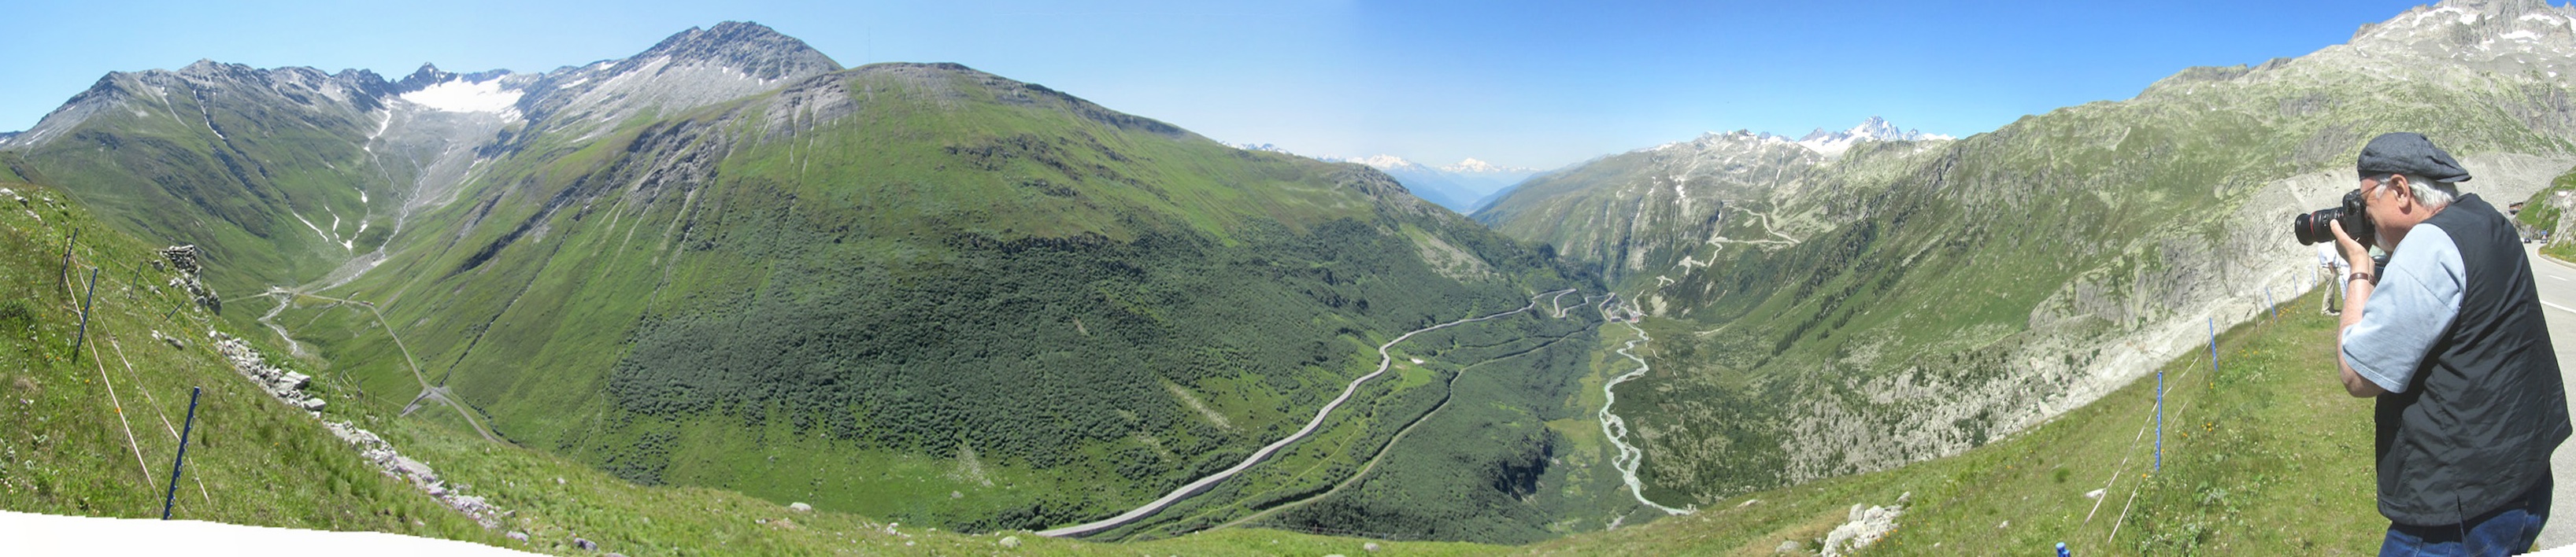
point(173, 494)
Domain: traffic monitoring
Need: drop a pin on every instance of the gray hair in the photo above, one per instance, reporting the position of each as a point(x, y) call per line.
point(2430, 193)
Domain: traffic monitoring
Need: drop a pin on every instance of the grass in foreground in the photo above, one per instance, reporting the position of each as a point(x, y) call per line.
point(2264, 456)
point(254, 461)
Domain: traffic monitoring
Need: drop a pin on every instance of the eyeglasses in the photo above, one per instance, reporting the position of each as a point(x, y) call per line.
point(2375, 183)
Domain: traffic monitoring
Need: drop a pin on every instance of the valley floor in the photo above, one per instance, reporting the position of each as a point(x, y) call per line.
point(2264, 454)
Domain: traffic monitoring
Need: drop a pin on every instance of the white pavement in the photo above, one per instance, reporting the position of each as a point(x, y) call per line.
point(44, 535)
point(2557, 285)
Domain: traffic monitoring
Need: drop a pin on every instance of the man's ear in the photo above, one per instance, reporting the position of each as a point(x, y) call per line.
point(2405, 192)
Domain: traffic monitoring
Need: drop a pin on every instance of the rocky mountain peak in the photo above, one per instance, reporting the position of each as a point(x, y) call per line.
point(2450, 29)
point(429, 74)
point(755, 49)
point(1473, 166)
point(1873, 129)
point(1388, 162)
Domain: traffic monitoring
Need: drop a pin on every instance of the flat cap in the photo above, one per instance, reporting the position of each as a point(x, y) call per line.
point(2409, 153)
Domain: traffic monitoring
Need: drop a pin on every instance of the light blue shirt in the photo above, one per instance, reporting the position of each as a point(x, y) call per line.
point(2409, 309)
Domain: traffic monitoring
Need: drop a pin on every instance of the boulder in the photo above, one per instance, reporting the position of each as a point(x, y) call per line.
point(1011, 542)
point(800, 507)
point(585, 545)
point(518, 536)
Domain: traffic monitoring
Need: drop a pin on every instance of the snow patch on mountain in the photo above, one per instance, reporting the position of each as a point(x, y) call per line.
point(1473, 166)
point(1834, 143)
point(465, 96)
point(1388, 162)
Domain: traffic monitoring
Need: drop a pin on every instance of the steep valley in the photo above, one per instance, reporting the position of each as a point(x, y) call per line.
point(913, 291)
point(1820, 315)
point(647, 303)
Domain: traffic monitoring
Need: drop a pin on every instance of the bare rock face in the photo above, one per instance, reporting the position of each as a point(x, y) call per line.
point(1864, 526)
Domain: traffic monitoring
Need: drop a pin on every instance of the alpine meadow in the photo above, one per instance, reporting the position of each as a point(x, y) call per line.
point(730, 296)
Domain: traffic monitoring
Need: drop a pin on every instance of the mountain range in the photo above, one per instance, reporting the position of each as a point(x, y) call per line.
point(1463, 187)
point(915, 291)
point(729, 273)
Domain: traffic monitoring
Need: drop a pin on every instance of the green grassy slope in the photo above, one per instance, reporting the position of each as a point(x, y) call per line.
point(77, 427)
point(2263, 455)
point(255, 461)
point(2266, 455)
point(228, 158)
point(1994, 273)
point(915, 291)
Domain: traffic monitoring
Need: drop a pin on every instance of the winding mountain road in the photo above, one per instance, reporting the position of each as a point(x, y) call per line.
point(1384, 360)
point(2555, 281)
point(427, 391)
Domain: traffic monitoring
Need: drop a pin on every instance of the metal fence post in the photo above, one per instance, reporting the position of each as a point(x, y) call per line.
point(84, 324)
point(63, 277)
point(173, 494)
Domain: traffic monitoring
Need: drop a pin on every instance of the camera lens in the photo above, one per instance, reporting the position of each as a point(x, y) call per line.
point(2311, 228)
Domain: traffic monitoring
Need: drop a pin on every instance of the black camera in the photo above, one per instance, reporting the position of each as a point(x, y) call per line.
point(2311, 227)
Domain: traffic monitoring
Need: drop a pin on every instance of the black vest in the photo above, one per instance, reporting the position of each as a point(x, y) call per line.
point(2475, 427)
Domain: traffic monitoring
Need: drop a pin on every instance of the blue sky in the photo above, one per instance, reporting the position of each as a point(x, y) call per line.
point(1529, 83)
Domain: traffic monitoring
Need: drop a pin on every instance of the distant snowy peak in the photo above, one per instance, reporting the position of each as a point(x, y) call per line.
point(2495, 35)
point(467, 96)
point(1388, 162)
point(1834, 143)
point(1715, 140)
point(1473, 166)
point(444, 91)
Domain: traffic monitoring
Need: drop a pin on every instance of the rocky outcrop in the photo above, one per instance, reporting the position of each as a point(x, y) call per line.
point(419, 475)
point(184, 258)
point(288, 387)
point(1864, 526)
point(285, 386)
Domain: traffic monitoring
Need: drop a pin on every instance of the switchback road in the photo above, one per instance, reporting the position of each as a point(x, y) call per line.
point(1384, 360)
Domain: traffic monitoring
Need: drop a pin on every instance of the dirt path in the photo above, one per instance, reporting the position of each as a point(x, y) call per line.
point(427, 391)
point(1384, 361)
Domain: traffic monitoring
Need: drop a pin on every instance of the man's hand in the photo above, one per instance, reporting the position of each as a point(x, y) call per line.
point(2353, 252)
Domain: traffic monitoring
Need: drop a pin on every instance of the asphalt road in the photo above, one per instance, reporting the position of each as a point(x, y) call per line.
point(1384, 359)
point(2557, 286)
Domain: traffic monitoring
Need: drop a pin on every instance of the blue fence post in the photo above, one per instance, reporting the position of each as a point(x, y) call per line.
point(2267, 302)
point(84, 324)
point(173, 495)
point(63, 276)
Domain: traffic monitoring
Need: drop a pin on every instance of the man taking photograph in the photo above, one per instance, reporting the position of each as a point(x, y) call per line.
point(2452, 344)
